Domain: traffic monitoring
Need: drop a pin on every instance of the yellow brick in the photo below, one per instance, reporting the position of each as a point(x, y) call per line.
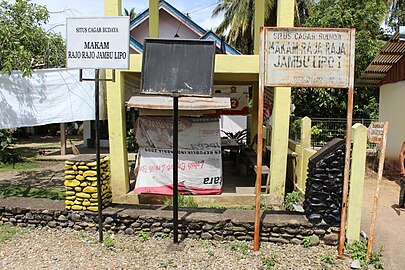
point(92, 200)
point(79, 199)
point(68, 202)
point(69, 188)
point(79, 177)
point(83, 184)
point(70, 198)
point(72, 183)
point(89, 173)
point(77, 163)
point(70, 193)
point(90, 189)
point(74, 167)
point(94, 184)
point(83, 195)
point(68, 207)
point(92, 208)
point(94, 195)
point(70, 172)
point(69, 177)
point(77, 202)
point(82, 163)
point(106, 158)
point(77, 207)
point(84, 208)
point(80, 172)
point(69, 162)
point(86, 203)
point(78, 189)
point(83, 167)
point(68, 166)
point(94, 163)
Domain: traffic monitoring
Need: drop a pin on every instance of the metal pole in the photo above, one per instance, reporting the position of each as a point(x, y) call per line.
point(259, 145)
point(97, 131)
point(175, 167)
point(377, 192)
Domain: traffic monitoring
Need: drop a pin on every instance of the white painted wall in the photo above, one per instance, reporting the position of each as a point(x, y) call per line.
point(233, 123)
point(391, 109)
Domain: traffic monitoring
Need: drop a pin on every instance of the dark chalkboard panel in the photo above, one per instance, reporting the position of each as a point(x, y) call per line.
point(178, 66)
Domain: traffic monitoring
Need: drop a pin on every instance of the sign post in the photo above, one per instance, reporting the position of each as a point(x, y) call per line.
point(306, 57)
point(174, 60)
point(377, 133)
point(97, 43)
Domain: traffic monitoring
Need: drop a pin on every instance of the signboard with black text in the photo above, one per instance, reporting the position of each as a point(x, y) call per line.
point(97, 43)
point(308, 57)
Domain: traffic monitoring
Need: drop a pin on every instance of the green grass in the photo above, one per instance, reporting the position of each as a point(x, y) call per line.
point(27, 191)
point(7, 232)
point(270, 261)
point(20, 166)
point(109, 242)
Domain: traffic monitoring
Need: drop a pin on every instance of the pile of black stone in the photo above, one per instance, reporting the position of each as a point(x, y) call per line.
point(324, 186)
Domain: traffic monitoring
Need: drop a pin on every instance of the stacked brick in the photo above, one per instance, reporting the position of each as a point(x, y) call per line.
point(81, 183)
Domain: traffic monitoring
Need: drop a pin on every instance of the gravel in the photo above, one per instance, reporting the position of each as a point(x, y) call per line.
point(48, 248)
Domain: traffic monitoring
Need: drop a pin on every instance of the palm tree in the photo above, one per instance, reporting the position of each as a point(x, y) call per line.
point(131, 14)
point(239, 19)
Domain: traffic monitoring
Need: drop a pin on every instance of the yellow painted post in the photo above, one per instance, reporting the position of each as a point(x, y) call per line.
point(305, 142)
point(356, 181)
point(117, 135)
point(255, 103)
point(259, 22)
point(280, 118)
point(112, 7)
point(153, 18)
point(116, 120)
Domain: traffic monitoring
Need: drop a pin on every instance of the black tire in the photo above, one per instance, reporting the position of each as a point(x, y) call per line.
point(402, 192)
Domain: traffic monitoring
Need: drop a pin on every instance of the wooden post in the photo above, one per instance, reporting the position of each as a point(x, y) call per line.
point(342, 235)
point(63, 139)
point(377, 191)
point(259, 145)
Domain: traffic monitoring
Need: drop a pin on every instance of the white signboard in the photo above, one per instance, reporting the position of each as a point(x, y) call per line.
point(307, 57)
point(376, 132)
point(97, 43)
point(200, 171)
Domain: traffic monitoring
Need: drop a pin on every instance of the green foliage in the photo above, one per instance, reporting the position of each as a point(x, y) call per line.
point(307, 241)
point(328, 258)
point(263, 204)
point(8, 155)
point(28, 191)
point(24, 43)
point(358, 251)
point(19, 166)
point(167, 263)
point(7, 232)
point(109, 242)
point(130, 13)
point(216, 206)
point(270, 261)
point(164, 236)
point(204, 243)
point(239, 245)
point(143, 236)
point(366, 17)
point(183, 201)
point(291, 199)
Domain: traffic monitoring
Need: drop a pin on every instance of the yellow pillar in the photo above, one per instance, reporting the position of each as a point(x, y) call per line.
point(153, 18)
point(255, 103)
point(305, 142)
point(112, 7)
point(259, 22)
point(280, 118)
point(356, 181)
point(116, 120)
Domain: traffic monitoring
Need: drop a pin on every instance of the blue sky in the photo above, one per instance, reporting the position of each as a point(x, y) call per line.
point(199, 10)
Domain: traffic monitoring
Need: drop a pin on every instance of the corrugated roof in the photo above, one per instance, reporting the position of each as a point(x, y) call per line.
point(389, 56)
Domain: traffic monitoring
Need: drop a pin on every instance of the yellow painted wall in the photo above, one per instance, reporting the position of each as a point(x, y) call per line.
point(392, 98)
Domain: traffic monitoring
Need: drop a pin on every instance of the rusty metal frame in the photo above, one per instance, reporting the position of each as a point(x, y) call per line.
point(350, 87)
